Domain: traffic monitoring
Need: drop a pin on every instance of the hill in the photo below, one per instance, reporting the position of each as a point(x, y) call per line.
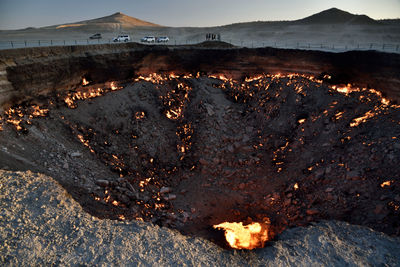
point(115, 21)
point(337, 16)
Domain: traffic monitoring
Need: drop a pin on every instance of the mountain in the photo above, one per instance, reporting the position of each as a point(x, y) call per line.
point(337, 16)
point(112, 22)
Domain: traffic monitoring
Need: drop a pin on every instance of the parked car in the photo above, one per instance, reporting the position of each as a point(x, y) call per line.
point(122, 38)
point(148, 39)
point(95, 36)
point(162, 39)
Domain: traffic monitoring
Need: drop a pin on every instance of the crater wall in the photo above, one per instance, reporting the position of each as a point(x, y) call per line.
point(30, 72)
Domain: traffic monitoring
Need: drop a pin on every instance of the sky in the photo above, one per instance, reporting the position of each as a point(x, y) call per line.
point(18, 14)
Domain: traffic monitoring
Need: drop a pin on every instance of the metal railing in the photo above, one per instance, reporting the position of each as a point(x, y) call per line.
point(335, 47)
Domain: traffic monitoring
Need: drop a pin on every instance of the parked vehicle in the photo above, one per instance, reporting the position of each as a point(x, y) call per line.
point(95, 36)
point(162, 39)
point(122, 38)
point(148, 39)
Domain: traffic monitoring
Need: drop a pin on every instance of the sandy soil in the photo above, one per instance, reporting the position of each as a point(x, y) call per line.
point(42, 225)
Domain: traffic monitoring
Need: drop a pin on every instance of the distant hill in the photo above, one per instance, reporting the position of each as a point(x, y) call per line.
point(112, 22)
point(337, 16)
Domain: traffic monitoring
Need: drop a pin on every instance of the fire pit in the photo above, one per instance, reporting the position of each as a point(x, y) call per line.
point(210, 155)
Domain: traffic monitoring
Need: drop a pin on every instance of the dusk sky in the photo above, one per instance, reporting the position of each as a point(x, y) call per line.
point(17, 14)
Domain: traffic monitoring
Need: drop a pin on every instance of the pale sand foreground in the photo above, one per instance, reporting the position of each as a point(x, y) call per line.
point(42, 225)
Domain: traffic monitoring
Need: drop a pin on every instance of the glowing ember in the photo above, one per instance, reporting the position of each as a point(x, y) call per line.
point(358, 121)
point(39, 112)
point(139, 115)
point(113, 86)
point(249, 236)
point(84, 81)
point(386, 183)
point(296, 186)
point(339, 115)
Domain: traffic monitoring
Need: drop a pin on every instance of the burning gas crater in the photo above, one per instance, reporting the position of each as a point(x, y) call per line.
point(251, 157)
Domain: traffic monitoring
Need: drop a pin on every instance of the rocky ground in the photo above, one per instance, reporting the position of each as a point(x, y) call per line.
point(190, 152)
point(43, 225)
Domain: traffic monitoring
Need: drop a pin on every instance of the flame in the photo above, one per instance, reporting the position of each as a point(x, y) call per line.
point(296, 186)
point(339, 115)
point(347, 89)
point(364, 118)
point(39, 112)
point(139, 115)
point(113, 86)
point(19, 115)
point(255, 78)
point(249, 236)
point(386, 183)
point(153, 78)
point(84, 81)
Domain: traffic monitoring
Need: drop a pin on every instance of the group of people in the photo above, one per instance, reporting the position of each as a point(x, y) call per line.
point(213, 37)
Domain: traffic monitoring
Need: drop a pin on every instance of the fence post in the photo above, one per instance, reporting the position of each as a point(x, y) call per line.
point(12, 45)
point(383, 46)
point(75, 42)
point(25, 43)
point(358, 46)
point(39, 42)
point(51, 42)
point(370, 47)
point(64, 42)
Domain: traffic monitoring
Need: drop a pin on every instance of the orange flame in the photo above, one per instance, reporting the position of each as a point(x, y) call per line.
point(249, 236)
point(84, 81)
point(386, 183)
point(364, 118)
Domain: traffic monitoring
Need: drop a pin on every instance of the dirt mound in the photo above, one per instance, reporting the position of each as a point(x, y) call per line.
point(191, 151)
point(55, 231)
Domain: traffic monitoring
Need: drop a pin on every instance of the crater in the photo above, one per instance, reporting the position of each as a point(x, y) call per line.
point(191, 150)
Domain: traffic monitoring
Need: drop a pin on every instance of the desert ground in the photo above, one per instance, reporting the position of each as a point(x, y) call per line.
point(331, 30)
